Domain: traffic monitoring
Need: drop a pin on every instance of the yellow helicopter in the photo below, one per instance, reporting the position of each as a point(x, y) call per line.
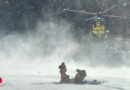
point(98, 25)
point(98, 28)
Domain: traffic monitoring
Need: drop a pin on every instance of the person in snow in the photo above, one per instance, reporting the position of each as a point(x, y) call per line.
point(63, 70)
point(79, 77)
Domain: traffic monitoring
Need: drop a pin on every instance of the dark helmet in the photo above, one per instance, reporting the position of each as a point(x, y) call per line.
point(78, 70)
point(63, 63)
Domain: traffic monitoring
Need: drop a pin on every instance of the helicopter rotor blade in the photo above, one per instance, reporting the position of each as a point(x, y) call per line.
point(90, 18)
point(113, 16)
point(107, 10)
point(84, 12)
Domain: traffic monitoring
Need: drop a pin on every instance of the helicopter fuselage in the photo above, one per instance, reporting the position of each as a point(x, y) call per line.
point(98, 27)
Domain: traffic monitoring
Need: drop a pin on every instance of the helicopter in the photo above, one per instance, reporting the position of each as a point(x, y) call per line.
point(98, 21)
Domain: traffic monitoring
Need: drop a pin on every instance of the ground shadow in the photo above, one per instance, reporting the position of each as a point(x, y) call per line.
point(95, 82)
point(92, 82)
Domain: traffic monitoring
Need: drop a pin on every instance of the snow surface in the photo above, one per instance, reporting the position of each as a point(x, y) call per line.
point(39, 77)
point(46, 83)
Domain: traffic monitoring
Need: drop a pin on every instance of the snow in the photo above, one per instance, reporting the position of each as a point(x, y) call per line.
point(46, 83)
point(35, 76)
